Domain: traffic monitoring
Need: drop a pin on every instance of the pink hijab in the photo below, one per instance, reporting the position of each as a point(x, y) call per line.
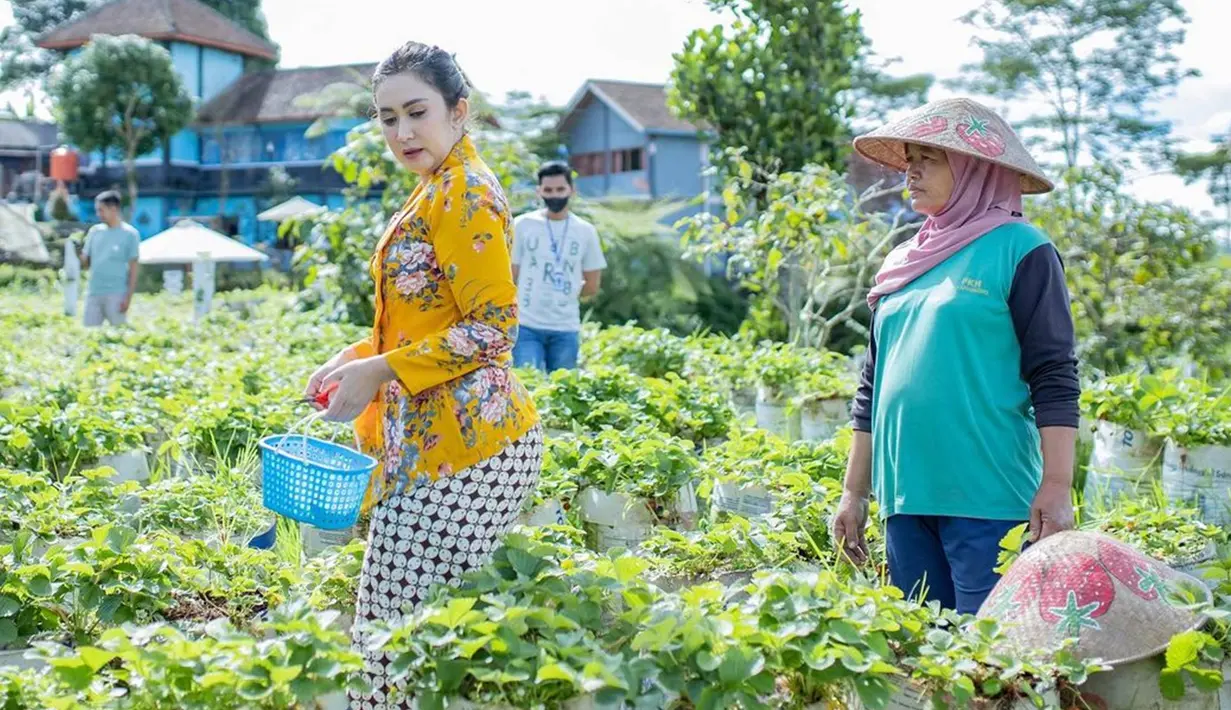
point(985, 196)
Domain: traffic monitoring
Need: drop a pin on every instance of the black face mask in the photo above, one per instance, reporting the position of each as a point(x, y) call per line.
point(555, 204)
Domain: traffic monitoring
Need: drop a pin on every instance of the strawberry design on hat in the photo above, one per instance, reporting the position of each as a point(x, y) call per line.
point(1134, 571)
point(978, 135)
point(1018, 591)
point(1076, 598)
point(928, 126)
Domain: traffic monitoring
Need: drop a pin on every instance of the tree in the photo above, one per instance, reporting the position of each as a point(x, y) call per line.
point(1214, 167)
point(120, 93)
point(647, 280)
point(1144, 279)
point(22, 63)
point(784, 81)
point(20, 60)
point(811, 246)
point(1096, 64)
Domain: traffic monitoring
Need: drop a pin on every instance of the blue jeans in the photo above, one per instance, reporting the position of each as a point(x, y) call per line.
point(951, 560)
point(547, 350)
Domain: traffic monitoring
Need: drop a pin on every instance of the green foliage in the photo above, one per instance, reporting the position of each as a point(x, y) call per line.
point(1131, 399)
point(300, 660)
point(602, 397)
point(50, 510)
point(1200, 416)
point(1097, 66)
point(22, 278)
point(804, 240)
point(1191, 654)
point(784, 81)
point(648, 280)
point(531, 629)
point(640, 463)
point(1174, 534)
point(732, 545)
point(1214, 167)
point(1144, 281)
point(120, 93)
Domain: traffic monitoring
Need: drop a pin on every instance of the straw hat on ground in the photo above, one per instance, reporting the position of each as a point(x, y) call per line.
point(960, 126)
point(1114, 601)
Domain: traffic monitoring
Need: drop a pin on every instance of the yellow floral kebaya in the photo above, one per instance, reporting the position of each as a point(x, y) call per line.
point(446, 319)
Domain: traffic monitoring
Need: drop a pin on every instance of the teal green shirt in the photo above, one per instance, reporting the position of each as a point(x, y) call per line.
point(953, 429)
point(109, 250)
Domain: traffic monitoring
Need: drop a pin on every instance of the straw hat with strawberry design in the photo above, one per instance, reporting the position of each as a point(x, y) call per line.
point(958, 125)
point(1117, 604)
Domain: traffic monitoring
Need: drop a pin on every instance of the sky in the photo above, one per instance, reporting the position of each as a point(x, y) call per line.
point(550, 47)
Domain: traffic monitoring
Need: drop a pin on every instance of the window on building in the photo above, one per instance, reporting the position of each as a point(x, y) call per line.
point(587, 164)
point(627, 161)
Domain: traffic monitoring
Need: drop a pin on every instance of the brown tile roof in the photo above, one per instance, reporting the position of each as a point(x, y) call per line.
point(183, 20)
point(269, 96)
point(644, 103)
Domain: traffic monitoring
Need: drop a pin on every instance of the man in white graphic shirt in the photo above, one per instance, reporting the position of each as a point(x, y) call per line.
point(557, 261)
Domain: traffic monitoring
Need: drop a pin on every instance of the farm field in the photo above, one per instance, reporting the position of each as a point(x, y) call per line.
point(676, 553)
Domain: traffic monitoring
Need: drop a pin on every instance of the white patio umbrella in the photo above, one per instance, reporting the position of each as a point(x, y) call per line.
point(294, 207)
point(188, 240)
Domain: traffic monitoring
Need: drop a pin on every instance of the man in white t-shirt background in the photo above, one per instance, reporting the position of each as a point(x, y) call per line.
point(557, 262)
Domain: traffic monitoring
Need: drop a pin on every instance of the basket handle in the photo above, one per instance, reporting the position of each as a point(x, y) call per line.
point(301, 427)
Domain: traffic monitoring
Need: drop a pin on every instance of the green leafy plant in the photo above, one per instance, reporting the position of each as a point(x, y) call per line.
point(1195, 656)
point(641, 463)
point(1168, 532)
point(732, 545)
point(300, 660)
point(532, 629)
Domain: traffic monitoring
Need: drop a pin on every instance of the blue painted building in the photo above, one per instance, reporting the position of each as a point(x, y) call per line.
point(250, 119)
point(623, 141)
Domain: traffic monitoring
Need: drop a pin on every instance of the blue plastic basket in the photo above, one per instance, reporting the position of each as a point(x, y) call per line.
point(314, 481)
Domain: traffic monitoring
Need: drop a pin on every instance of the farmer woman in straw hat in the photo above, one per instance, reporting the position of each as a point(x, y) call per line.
point(431, 390)
point(966, 413)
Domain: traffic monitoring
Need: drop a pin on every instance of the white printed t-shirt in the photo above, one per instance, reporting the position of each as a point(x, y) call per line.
point(549, 280)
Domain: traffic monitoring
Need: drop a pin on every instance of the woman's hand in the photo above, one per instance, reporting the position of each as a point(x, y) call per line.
point(1051, 512)
point(848, 525)
point(317, 380)
point(357, 384)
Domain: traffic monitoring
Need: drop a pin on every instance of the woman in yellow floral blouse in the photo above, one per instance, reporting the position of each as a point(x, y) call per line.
point(431, 391)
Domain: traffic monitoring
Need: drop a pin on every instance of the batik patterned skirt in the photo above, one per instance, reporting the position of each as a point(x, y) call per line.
point(433, 533)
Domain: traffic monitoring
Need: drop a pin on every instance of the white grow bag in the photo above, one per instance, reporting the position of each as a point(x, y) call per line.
point(549, 512)
point(747, 501)
point(1122, 460)
point(618, 520)
point(1200, 476)
point(129, 466)
point(820, 420)
point(317, 540)
point(774, 414)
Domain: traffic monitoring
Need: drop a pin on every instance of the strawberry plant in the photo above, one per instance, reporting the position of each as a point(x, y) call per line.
point(641, 463)
point(1201, 416)
point(50, 510)
point(300, 659)
point(648, 353)
point(689, 410)
point(1174, 534)
point(1131, 399)
point(532, 629)
point(734, 545)
point(781, 367)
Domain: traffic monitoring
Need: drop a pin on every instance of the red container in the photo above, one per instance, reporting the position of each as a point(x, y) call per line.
point(64, 163)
